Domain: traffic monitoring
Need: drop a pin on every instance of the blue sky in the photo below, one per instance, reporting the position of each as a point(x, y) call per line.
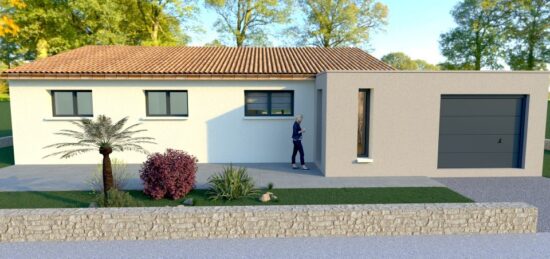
point(414, 27)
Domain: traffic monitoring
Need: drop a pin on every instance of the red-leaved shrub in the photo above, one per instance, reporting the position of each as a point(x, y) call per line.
point(170, 175)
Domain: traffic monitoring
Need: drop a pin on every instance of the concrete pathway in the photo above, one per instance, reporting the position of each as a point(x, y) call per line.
point(532, 190)
point(75, 177)
point(480, 246)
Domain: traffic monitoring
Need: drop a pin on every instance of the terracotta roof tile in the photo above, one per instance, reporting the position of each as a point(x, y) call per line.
point(120, 60)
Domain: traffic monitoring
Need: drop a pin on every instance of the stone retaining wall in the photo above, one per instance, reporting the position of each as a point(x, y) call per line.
point(265, 221)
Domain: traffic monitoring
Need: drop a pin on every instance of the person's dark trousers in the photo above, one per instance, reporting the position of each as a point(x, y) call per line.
point(298, 148)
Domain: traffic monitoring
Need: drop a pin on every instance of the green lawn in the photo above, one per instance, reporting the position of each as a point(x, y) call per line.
point(6, 156)
point(5, 119)
point(78, 199)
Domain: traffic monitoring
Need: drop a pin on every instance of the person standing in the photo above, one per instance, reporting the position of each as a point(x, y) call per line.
point(297, 132)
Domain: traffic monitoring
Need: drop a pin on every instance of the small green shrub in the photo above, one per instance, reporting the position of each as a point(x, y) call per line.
point(117, 199)
point(232, 183)
point(121, 176)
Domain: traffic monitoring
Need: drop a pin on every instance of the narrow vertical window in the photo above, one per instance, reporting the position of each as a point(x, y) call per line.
point(363, 123)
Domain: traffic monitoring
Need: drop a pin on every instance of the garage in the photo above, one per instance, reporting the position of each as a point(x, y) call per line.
point(481, 131)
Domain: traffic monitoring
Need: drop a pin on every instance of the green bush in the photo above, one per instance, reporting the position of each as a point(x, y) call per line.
point(117, 199)
point(232, 183)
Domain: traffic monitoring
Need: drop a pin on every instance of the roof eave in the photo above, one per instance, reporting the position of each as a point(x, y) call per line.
point(115, 76)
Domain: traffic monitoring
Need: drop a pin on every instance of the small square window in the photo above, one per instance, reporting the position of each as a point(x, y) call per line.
point(167, 103)
point(72, 103)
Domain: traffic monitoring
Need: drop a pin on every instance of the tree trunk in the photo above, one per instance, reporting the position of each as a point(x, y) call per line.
point(107, 170)
point(240, 40)
point(155, 33)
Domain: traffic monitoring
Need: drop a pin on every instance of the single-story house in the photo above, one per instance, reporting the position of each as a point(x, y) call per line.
point(225, 104)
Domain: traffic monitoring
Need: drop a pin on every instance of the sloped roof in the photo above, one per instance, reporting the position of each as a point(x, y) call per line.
point(141, 60)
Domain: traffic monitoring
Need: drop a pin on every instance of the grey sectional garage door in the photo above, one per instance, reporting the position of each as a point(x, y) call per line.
point(481, 131)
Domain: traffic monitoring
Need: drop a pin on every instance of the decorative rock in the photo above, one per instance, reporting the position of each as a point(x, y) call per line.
point(266, 197)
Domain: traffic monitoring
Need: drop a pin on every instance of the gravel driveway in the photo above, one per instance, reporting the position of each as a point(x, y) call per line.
point(532, 190)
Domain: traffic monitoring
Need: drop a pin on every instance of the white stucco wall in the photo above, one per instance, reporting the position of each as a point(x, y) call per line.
point(216, 130)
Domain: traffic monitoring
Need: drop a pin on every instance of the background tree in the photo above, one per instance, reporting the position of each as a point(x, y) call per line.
point(162, 19)
point(214, 43)
point(401, 61)
point(528, 29)
point(477, 40)
point(8, 27)
point(338, 23)
point(247, 21)
point(423, 65)
point(104, 136)
point(51, 26)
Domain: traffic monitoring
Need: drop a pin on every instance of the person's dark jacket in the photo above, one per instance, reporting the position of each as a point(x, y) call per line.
point(296, 132)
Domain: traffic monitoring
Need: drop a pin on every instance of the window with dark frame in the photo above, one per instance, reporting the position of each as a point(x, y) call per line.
point(69, 103)
point(269, 103)
point(363, 123)
point(167, 103)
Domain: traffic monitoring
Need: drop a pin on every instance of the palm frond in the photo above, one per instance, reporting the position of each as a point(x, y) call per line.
point(93, 134)
point(70, 144)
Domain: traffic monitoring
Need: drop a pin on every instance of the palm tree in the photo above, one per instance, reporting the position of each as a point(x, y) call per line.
point(101, 134)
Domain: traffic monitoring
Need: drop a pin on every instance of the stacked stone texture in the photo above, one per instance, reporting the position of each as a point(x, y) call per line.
point(265, 221)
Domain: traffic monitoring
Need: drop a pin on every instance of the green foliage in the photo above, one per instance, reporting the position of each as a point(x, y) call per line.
point(214, 43)
point(425, 66)
point(477, 40)
point(121, 176)
point(117, 199)
point(162, 20)
point(5, 117)
point(233, 183)
point(48, 27)
point(340, 23)
point(93, 135)
point(247, 21)
point(10, 55)
point(528, 33)
point(4, 89)
point(401, 61)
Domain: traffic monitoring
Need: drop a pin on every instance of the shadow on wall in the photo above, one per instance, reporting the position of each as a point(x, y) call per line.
point(232, 138)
